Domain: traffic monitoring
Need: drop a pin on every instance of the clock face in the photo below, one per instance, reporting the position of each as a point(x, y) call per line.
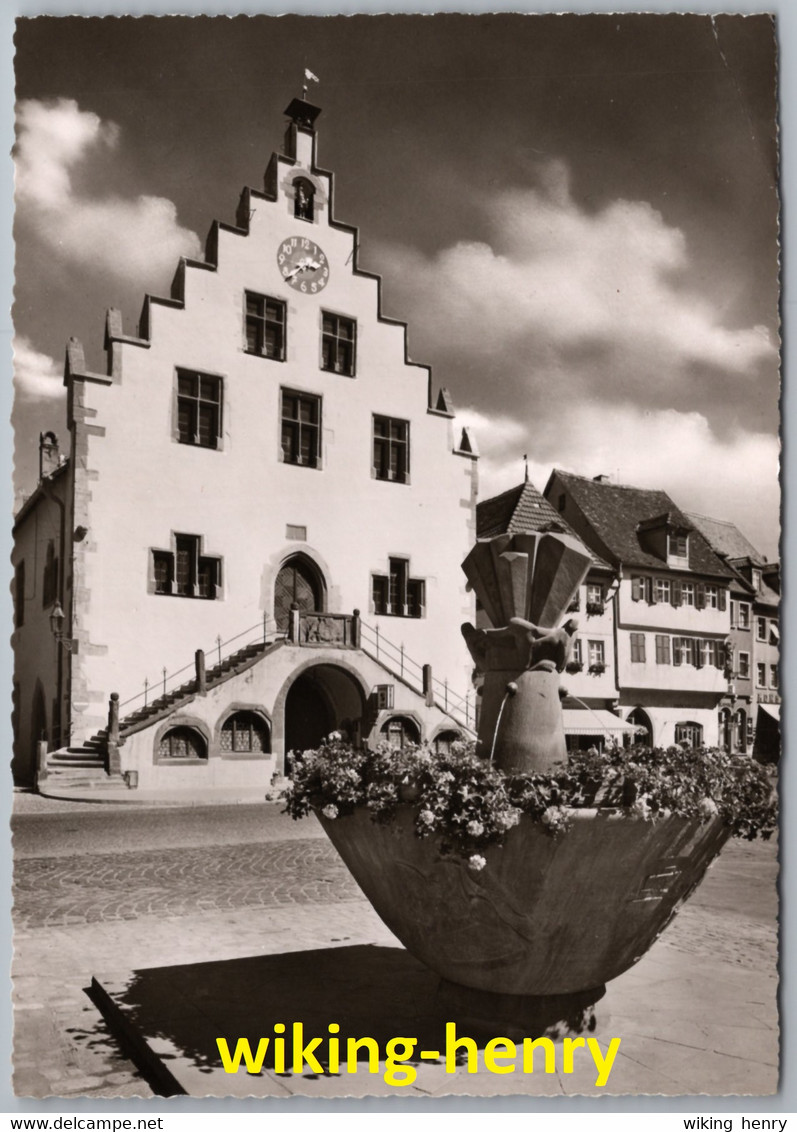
point(303, 265)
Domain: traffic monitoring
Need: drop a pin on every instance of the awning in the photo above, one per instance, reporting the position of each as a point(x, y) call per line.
point(595, 721)
point(770, 709)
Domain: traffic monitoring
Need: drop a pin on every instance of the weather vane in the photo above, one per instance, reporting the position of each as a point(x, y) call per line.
point(308, 77)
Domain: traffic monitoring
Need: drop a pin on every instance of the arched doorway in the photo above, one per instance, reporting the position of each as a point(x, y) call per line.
point(322, 699)
point(740, 730)
point(298, 581)
point(639, 718)
point(725, 737)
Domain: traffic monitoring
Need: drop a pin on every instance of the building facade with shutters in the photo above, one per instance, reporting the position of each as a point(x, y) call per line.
point(259, 461)
point(752, 710)
point(672, 605)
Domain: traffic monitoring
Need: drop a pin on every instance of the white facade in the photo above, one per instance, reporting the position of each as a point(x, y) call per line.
point(191, 518)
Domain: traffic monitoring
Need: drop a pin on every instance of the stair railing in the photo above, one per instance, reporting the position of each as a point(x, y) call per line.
point(395, 659)
point(264, 632)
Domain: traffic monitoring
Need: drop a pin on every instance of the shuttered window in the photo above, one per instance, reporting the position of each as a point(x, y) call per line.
point(662, 649)
point(637, 648)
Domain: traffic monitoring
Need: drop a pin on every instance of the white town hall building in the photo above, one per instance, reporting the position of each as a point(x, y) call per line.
point(259, 461)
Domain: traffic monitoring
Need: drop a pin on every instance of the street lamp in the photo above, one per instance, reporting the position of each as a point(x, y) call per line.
point(57, 619)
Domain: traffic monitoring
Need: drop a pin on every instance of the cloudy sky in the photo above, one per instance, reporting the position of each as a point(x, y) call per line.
point(576, 215)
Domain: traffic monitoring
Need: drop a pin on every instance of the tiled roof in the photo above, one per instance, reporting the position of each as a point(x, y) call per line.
point(726, 538)
point(522, 508)
point(615, 511)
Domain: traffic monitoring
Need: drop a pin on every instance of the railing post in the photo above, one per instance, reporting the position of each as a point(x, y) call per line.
point(428, 689)
point(445, 693)
point(201, 674)
point(114, 762)
point(377, 642)
point(293, 624)
point(164, 680)
point(146, 689)
point(401, 661)
point(355, 629)
point(218, 646)
point(265, 628)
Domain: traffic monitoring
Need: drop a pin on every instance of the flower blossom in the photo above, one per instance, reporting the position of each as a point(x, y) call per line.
point(707, 808)
point(476, 863)
point(426, 817)
point(475, 828)
point(330, 811)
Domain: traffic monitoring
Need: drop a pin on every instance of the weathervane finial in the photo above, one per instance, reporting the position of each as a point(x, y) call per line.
point(308, 77)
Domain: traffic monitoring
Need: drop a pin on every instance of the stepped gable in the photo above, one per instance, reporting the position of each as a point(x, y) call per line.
point(521, 509)
point(247, 204)
point(616, 511)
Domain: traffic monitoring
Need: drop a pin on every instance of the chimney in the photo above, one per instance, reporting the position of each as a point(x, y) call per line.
point(602, 478)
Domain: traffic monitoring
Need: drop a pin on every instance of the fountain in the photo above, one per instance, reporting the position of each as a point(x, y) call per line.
point(531, 939)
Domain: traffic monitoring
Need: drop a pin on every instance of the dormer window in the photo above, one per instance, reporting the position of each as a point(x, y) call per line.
point(756, 579)
point(303, 199)
point(677, 548)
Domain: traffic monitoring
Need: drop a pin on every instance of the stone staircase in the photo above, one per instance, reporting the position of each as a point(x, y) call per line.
point(86, 765)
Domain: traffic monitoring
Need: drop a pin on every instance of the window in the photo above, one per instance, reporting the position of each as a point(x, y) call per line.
point(637, 648)
point(265, 326)
point(743, 615)
point(761, 628)
point(303, 198)
point(399, 731)
point(597, 657)
point(743, 671)
point(662, 589)
point(677, 546)
point(773, 675)
point(756, 579)
point(391, 449)
point(594, 599)
point(691, 733)
point(638, 587)
point(396, 594)
point(687, 593)
point(184, 571)
point(50, 579)
point(710, 653)
point(244, 732)
point(443, 740)
point(684, 650)
point(761, 675)
point(181, 743)
point(198, 409)
point(337, 344)
point(301, 429)
point(712, 597)
point(662, 649)
point(19, 596)
point(577, 656)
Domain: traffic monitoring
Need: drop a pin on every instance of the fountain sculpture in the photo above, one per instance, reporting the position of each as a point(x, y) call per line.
point(550, 919)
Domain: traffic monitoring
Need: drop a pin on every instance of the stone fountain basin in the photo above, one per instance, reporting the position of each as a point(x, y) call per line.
point(548, 915)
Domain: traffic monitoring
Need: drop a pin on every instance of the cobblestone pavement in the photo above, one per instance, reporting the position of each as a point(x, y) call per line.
point(111, 913)
point(54, 891)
